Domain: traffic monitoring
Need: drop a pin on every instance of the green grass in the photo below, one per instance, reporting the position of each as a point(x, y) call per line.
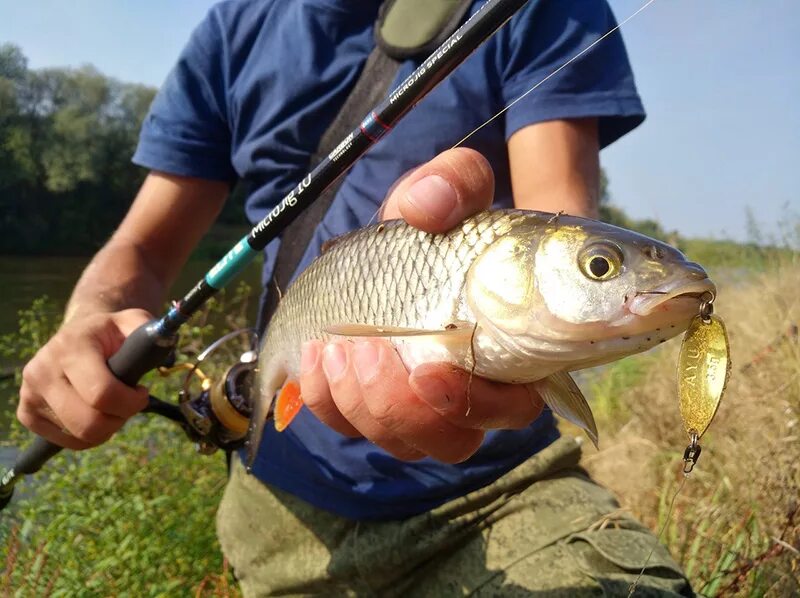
point(742, 257)
point(134, 517)
point(735, 526)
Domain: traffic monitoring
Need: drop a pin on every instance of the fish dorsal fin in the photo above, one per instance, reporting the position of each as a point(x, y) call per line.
point(453, 329)
point(564, 397)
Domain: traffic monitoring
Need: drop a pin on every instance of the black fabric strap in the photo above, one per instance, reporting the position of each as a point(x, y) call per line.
point(372, 86)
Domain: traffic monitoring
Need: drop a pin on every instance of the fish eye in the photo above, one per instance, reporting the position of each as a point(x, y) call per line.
point(654, 252)
point(601, 261)
point(599, 266)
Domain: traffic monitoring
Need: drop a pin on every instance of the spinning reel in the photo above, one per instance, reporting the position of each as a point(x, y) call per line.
point(214, 403)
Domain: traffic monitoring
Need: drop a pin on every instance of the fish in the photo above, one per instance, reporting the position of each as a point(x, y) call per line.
point(515, 296)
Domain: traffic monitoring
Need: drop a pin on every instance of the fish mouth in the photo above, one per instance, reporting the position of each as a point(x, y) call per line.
point(680, 296)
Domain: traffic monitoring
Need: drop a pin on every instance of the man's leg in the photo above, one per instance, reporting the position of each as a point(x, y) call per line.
point(544, 527)
point(559, 534)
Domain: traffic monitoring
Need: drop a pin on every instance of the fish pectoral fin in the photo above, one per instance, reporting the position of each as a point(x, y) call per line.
point(271, 379)
point(565, 399)
point(287, 405)
point(454, 329)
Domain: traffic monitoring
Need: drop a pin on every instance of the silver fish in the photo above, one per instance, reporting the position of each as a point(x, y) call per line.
point(515, 296)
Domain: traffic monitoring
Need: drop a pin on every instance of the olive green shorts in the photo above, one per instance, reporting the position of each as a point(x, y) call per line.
point(543, 529)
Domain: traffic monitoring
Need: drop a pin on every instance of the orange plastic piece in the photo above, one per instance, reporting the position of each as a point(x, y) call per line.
point(288, 404)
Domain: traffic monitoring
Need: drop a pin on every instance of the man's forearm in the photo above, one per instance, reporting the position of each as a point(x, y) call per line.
point(555, 167)
point(117, 278)
point(143, 257)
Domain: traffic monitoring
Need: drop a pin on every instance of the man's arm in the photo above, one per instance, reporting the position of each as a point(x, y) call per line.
point(555, 166)
point(141, 260)
point(68, 394)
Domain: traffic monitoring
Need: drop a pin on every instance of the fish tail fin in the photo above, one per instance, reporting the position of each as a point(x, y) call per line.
point(269, 381)
point(564, 397)
point(287, 405)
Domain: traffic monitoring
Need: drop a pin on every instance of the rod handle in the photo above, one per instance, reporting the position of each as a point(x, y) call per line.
point(37, 454)
point(146, 348)
point(28, 461)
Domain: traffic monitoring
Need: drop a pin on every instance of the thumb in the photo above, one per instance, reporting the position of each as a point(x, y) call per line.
point(441, 193)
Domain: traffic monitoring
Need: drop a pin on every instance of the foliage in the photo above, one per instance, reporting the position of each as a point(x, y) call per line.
point(37, 323)
point(742, 257)
point(66, 141)
point(134, 517)
point(735, 525)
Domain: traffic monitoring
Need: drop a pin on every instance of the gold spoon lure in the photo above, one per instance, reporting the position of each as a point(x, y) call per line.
point(704, 367)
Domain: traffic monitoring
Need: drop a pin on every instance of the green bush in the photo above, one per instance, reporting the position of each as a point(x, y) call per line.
point(134, 517)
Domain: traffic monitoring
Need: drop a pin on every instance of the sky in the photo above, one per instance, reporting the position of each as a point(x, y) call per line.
point(719, 80)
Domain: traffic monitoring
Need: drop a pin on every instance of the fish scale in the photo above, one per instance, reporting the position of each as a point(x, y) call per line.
point(418, 273)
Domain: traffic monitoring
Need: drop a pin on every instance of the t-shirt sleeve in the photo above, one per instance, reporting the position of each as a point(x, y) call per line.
point(543, 37)
point(186, 132)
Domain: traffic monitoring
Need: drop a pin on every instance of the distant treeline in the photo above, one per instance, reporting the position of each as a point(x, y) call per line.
point(66, 141)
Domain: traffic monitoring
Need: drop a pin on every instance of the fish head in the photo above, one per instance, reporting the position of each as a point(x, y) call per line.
point(582, 292)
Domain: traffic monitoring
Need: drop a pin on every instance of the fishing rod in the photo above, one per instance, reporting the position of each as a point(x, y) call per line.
point(151, 344)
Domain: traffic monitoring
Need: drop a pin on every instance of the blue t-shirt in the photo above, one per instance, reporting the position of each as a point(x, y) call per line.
point(251, 96)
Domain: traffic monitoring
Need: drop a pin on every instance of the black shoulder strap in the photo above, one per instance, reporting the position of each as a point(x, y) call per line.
point(372, 86)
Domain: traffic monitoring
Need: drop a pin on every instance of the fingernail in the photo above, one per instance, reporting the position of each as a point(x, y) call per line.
point(434, 196)
point(433, 390)
point(365, 361)
point(334, 361)
point(309, 354)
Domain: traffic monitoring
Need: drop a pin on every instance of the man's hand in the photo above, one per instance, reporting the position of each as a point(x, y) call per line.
point(363, 388)
point(68, 394)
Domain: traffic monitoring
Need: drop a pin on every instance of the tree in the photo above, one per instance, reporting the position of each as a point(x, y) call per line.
point(66, 138)
point(13, 64)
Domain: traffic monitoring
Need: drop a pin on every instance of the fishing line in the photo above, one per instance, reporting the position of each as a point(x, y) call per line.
point(378, 215)
point(632, 588)
point(555, 72)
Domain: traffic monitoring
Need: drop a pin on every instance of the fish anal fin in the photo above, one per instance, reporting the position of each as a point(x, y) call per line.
point(565, 399)
point(287, 405)
point(368, 330)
